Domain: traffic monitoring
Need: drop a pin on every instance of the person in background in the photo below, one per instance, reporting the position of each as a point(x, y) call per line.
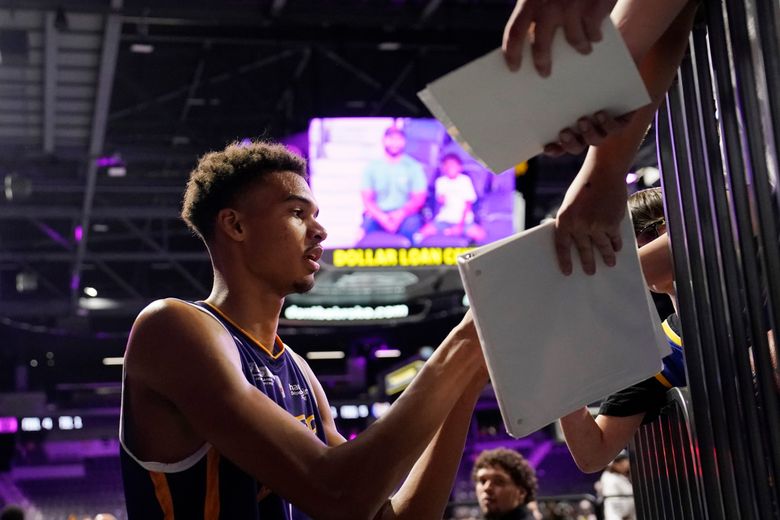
point(456, 197)
point(505, 484)
point(656, 34)
point(616, 490)
point(394, 189)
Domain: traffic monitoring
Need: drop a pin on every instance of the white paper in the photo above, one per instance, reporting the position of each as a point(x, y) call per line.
point(555, 343)
point(503, 118)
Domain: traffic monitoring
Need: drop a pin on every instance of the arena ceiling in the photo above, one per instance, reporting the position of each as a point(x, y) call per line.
point(91, 88)
point(86, 86)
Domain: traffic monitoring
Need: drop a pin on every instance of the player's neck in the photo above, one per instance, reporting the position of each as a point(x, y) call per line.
point(254, 309)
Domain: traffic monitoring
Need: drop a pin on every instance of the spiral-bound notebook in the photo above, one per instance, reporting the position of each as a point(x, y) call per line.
point(554, 343)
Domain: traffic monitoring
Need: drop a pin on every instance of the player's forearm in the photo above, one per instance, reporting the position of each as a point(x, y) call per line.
point(611, 160)
point(369, 468)
point(585, 440)
point(426, 491)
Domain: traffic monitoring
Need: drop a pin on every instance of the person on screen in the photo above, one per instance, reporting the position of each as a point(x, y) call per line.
point(394, 189)
point(456, 197)
point(505, 485)
point(221, 419)
point(593, 443)
point(656, 34)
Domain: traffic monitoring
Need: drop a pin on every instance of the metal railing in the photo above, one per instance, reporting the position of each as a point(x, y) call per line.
point(718, 135)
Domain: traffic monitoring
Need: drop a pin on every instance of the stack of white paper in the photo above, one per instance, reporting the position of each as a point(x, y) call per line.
point(503, 118)
point(554, 343)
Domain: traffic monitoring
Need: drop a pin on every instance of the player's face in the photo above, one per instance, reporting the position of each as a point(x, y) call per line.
point(394, 143)
point(497, 492)
point(451, 168)
point(283, 237)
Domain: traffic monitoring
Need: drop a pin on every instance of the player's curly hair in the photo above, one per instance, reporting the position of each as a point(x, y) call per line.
point(523, 475)
point(646, 207)
point(220, 177)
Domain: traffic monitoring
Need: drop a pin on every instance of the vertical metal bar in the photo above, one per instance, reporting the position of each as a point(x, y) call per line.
point(659, 476)
point(749, 421)
point(708, 288)
point(673, 471)
point(635, 454)
point(702, 365)
point(702, 419)
point(730, 127)
point(683, 469)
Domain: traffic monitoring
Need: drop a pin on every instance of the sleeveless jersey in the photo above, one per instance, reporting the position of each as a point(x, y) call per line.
point(673, 373)
point(206, 485)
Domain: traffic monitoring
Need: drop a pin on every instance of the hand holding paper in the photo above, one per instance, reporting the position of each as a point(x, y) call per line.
point(503, 117)
point(553, 344)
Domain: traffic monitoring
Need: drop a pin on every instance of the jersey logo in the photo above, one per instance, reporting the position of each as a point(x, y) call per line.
point(264, 375)
point(300, 391)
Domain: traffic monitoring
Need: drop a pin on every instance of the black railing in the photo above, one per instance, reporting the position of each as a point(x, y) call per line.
point(718, 456)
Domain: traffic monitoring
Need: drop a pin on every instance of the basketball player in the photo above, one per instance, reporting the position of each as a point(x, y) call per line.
point(222, 420)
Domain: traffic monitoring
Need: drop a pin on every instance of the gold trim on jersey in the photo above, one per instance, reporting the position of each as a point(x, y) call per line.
point(211, 504)
point(278, 342)
point(671, 334)
point(163, 493)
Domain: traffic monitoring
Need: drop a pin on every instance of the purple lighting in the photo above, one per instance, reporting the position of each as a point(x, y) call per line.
point(111, 160)
point(8, 425)
point(75, 281)
point(78, 233)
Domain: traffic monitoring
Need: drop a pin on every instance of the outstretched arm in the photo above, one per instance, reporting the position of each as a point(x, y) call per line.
point(426, 491)
point(595, 202)
point(594, 443)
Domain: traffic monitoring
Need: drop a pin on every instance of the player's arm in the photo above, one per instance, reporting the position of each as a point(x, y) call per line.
point(260, 437)
point(426, 491)
point(594, 443)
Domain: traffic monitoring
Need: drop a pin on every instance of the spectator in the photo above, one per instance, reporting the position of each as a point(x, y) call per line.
point(616, 490)
point(505, 484)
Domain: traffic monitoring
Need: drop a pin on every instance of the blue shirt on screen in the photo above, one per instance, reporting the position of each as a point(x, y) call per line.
point(393, 183)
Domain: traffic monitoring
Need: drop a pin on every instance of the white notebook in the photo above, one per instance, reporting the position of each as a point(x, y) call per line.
point(554, 343)
point(503, 118)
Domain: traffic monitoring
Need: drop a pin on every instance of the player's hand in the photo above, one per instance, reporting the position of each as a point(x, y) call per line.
point(588, 131)
point(538, 20)
point(589, 219)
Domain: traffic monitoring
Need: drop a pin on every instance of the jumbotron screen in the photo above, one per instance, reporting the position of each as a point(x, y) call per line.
point(401, 192)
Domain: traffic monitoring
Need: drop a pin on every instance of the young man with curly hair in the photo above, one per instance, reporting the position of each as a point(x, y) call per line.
point(505, 484)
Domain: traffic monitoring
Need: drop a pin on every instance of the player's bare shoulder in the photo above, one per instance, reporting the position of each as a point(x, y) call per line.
point(168, 330)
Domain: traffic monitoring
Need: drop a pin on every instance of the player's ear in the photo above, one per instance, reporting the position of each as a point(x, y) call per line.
point(229, 221)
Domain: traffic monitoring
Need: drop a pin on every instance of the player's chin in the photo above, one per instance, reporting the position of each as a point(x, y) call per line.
point(304, 285)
